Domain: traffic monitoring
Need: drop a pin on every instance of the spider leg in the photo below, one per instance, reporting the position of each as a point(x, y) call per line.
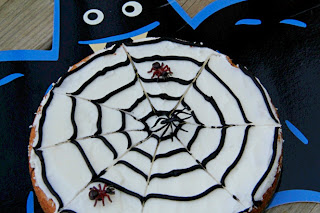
point(99, 187)
point(109, 198)
point(160, 128)
point(104, 187)
point(165, 130)
point(167, 68)
point(152, 69)
point(159, 119)
point(102, 200)
point(187, 118)
point(95, 203)
point(179, 127)
point(93, 188)
point(171, 131)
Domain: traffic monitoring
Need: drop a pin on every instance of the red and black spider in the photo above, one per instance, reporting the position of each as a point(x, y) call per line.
point(161, 71)
point(99, 194)
point(169, 122)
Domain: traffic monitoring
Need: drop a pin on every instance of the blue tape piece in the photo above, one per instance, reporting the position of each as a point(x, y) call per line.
point(297, 132)
point(248, 22)
point(10, 78)
point(204, 13)
point(30, 203)
point(49, 88)
point(293, 196)
point(38, 55)
point(123, 36)
point(294, 22)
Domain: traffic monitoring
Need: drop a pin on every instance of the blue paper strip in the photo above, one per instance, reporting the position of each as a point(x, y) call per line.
point(248, 22)
point(30, 204)
point(293, 196)
point(38, 55)
point(123, 36)
point(297, 132)
point(10, 78)
point(294, 22)
point(204, 13)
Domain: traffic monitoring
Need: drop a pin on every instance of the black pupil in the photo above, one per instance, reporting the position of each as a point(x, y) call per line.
point(92, 16)
point(129, 9)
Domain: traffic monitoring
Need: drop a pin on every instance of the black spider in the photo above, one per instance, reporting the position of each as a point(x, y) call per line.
point(169, 122)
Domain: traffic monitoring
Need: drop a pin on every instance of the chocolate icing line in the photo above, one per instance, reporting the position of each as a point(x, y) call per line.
point(193, 81)
point(109, 95)
point(135, 169)
point(107, 144)
point(99, 74)
point(128, 138)
point(164, 96)
point(160, 39)
point(167, 58)
point(42, 119)
point(161, 80)
point(216, 152)
point(136, 103)
point(146, 154)
point(212, 102)
point(194, 137)
point(74, 125)
point(99, 127)
point(85, 158)
point(258, 85)
point(175, 172)
point(192, 113)
point(230, 91)
point(235, 162)
point(170, 153)
point(108, 52)
point(45, 180)
point(273, 158)
point(120, 188)
point(68, 211)
point(178, 198)
point(123, 123)
point(138, 77)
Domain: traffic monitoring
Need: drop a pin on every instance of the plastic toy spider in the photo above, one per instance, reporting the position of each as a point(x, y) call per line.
point(161, 71)
point(169, 122)
point(99, 194)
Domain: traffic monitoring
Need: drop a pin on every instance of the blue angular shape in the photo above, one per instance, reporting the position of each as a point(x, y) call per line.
point(123, 36)
point(297, 132)
point(10, 78)
point(293, 196)
point(38, 55)
point(294, 22)
point(30, 203)
point(204, 13)
point(248, 22)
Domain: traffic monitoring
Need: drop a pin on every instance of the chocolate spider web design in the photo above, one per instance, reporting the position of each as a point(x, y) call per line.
point(98, 102)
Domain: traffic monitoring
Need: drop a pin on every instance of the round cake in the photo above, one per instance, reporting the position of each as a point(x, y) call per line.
point(156, 125)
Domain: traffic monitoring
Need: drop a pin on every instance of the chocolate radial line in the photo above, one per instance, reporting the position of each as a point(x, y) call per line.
point(136, 71)
point(194, 79)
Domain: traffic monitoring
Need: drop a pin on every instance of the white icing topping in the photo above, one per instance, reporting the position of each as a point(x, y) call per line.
point(210, 142)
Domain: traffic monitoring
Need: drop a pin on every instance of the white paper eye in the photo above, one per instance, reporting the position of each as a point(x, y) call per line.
point(96, 19)
point(132, 8)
